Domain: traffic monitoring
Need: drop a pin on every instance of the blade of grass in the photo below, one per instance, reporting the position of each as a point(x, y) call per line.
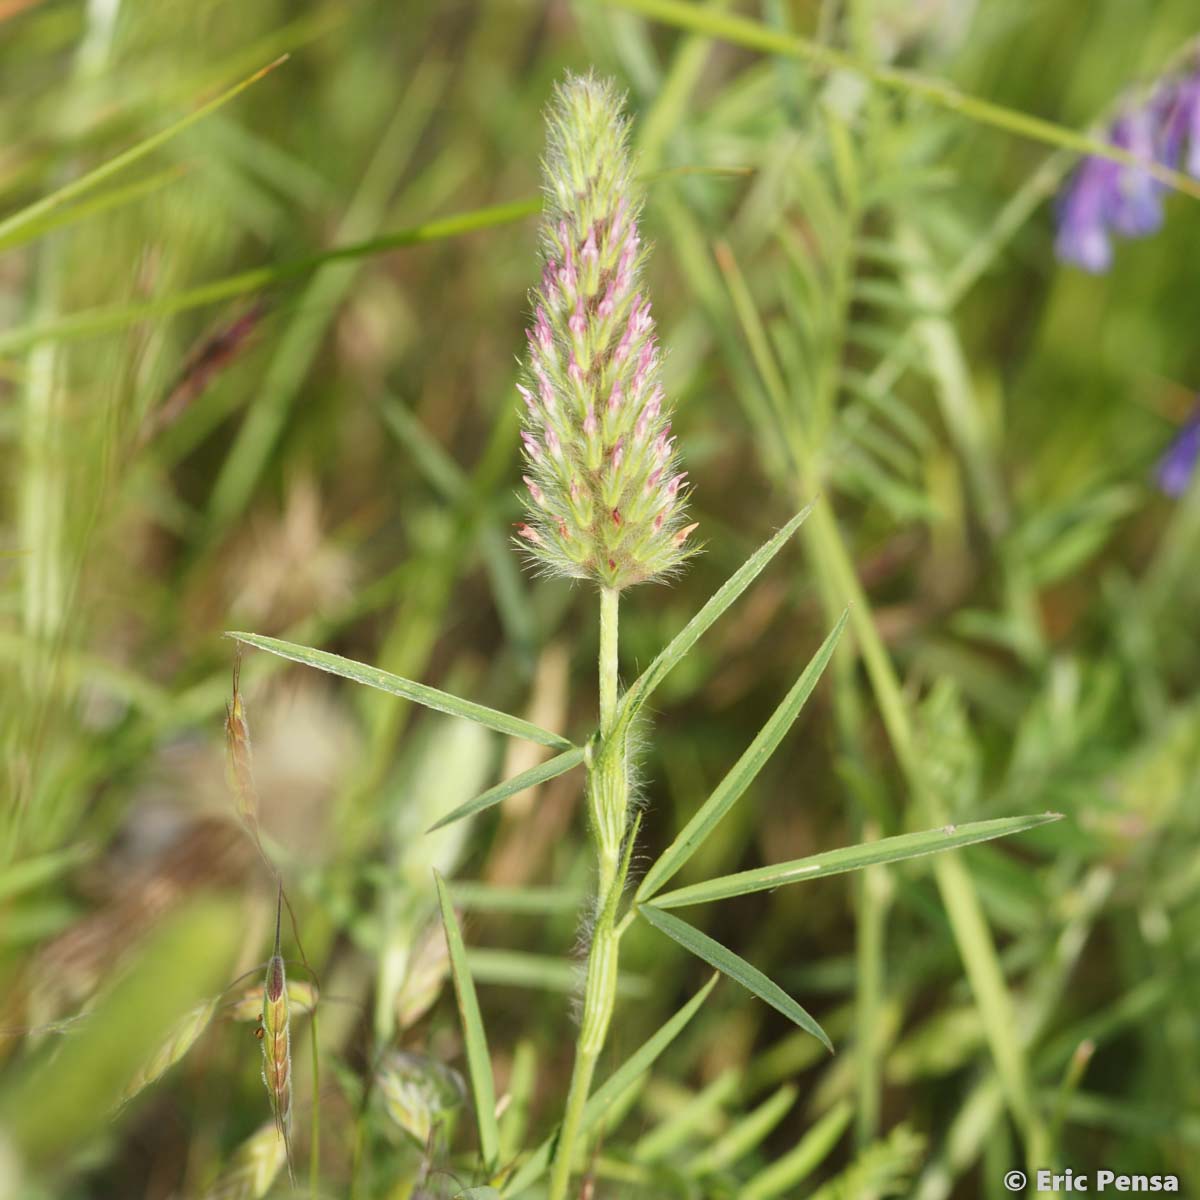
point(851, 858)
point(640, 1061)
point(541, 972)
point(456, 487)
point(643, 687)
point(669, 106)
point(513, 606)
point(314, 1128)
point(522, 1083)
point(496, 898)
point(105, 202)
point(558, 765)
point(479, 1065)
point(781, 423)
point(441, 471)
point(30, 873)
point(736, 967)
point(396, 685)
point(302, 338)
point(975, 1115)
point(743, 773)
point(741, 31)
point(181, 965)
point(94, 321)
point(977, 949)
point(12, 228)
point(872, 900)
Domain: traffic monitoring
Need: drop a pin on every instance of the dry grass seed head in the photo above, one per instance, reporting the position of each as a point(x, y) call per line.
point(277, 1040)
point(302, 997)
point(253, 1169)
point(186, 1033)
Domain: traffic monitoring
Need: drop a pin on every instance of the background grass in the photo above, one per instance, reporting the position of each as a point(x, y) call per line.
point(861, 303)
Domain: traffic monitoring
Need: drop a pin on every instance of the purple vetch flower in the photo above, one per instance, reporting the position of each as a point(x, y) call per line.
point(1136, 200)
point(1178, 464)
point(1083, 209)
point(1179, 105)
point(1103, 198)
point(606, 498)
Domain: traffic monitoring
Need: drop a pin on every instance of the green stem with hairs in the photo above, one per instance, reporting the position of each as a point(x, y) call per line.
point(608, 803)
point(609, 601)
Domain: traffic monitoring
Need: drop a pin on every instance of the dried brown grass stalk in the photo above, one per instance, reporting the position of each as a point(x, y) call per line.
point(240, 759)
point(208, 360)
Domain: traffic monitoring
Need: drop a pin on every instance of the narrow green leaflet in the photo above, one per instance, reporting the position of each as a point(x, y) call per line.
point(559, 765)
point(396, 685)
point(884, 1168)
point(691, 633)
point(851, 858)
point(736, 967)
point(733, 1145)
point(479, 1064)
point(696, 1112)
point(640, 1061)
point(14, 228)
point(781, 1177)
point(744, 771)
point(478, 1193)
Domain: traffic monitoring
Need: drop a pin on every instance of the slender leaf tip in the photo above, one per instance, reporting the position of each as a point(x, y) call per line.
point(406, 689)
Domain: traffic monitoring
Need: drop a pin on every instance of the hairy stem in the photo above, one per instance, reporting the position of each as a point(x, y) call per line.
point(608, 801)
point(609, 600)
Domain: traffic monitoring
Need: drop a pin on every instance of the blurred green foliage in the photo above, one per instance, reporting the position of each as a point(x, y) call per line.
point(861, 304)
